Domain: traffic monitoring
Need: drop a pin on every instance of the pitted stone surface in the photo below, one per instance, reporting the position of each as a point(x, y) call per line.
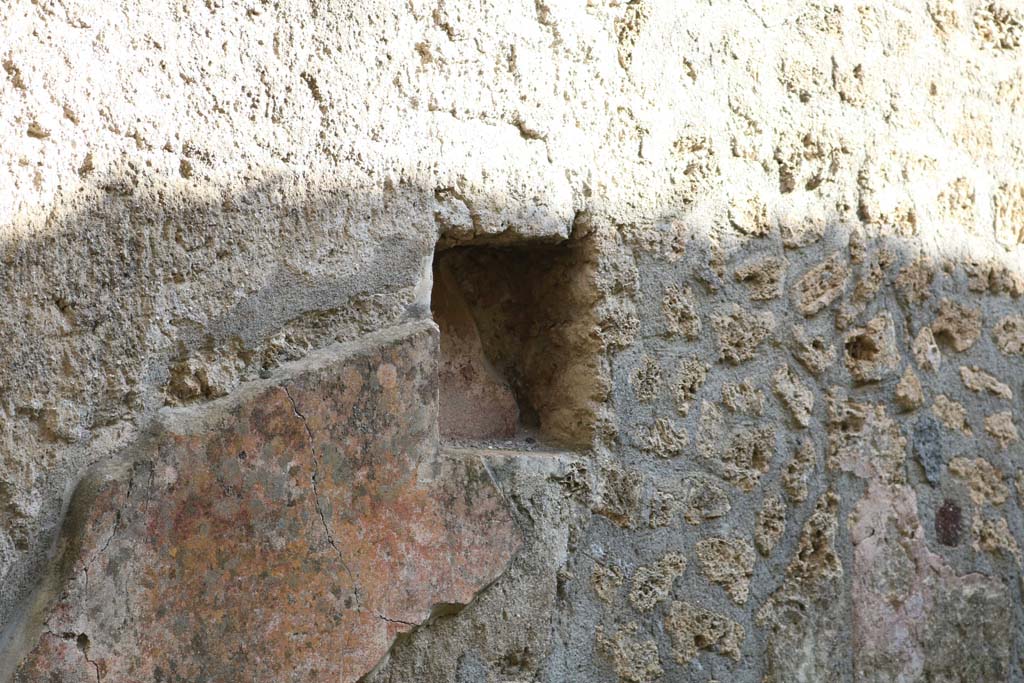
point(288, 533)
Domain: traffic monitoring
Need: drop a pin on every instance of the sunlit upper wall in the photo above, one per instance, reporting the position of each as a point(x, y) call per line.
point(890, 113)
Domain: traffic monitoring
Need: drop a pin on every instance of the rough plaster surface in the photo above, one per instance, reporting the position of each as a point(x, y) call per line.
point(785, 208)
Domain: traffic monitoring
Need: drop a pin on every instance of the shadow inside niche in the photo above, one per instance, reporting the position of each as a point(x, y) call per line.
point(519, 361)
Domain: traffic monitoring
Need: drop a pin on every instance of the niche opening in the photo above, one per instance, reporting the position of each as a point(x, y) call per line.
point(520, 359)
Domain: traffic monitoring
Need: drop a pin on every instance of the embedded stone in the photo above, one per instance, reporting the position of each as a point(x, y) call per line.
point(914, 281)
point(747, 456)
point(740, 332)
point(909, 392)
point(693, 628)
point(960, 325)
point(984, 481)
point(871, 278)
point(800, 227)
point(816, 559)
point(821, 285)
point(606, 581)
point(618, 495)
point(664, 506)
point(728, 562)
point(663, 438)
point(1008, 198)
point(1000, 427)
point(951, 414)
point(948, 523)
point(680, 312)
point(646, 380)
point(870, 352)
point(743, 397)
point(635, 660)
point(652, 583)
point(993, 536)
point(750, 216)
point(690, 378)
point(994, 277)
point(926, 445)
point(763, 276)
point(704, 500)
point(798, 472)
point(1009, 335)
point(794, 394)
point(710, 430)
point(771, 523)
point(977, 380)
point(864, 440)
point(926, 351)
point(816, 352)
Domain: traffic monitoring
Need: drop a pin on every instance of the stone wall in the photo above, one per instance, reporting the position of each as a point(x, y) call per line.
point(751, 273)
